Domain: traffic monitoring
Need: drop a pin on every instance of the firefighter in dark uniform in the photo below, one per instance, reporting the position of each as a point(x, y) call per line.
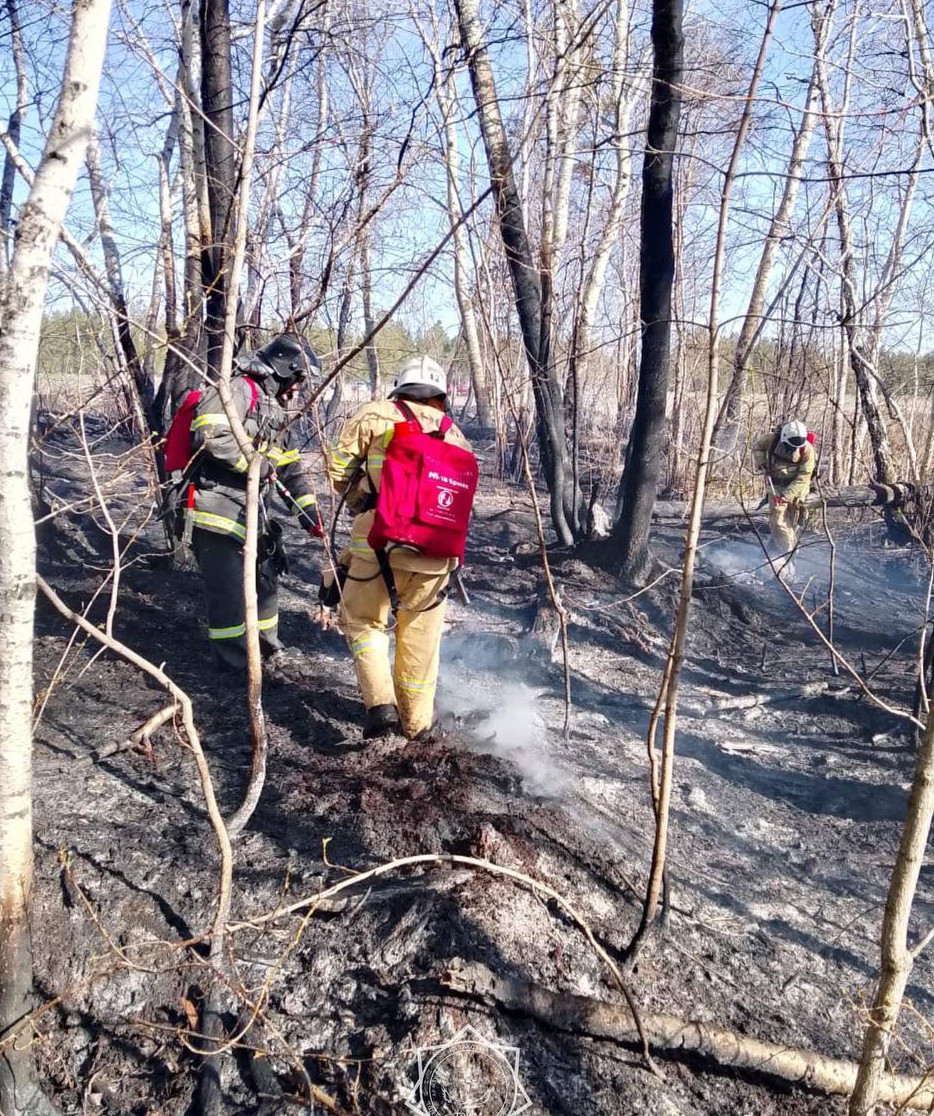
point(216, 509)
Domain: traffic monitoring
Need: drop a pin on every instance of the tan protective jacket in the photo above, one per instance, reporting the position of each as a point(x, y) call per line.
point(363, 441)
point(789, 470)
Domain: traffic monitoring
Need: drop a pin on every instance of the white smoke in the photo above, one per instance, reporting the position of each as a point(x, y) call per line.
point(740, 561)
point(499, 715)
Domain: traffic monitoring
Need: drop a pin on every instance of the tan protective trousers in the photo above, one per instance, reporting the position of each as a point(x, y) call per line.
point(364, 620)
point(783, 525)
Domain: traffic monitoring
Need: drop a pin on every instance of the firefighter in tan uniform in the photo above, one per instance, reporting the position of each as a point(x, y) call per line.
point(405, 692)
point(787, 458)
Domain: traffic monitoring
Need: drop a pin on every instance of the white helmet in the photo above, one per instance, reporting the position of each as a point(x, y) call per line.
point(420, 378)
point(794, 434)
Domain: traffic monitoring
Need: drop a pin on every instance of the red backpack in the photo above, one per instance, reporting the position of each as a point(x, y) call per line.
point(178, 452)
point(426, 491)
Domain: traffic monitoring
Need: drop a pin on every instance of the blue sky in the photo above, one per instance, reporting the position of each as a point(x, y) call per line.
point(722, 40)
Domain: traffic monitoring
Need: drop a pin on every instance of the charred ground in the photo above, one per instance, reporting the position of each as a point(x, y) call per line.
point(785, 825)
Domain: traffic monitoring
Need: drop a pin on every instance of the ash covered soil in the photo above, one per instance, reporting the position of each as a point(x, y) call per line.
point(785, 823)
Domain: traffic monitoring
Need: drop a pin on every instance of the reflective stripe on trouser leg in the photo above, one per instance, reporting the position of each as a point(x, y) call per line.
point(782, 521)
point(418, 647)
point(267, 603)
point(227, 633)
point(220, 559)
point(364, 620)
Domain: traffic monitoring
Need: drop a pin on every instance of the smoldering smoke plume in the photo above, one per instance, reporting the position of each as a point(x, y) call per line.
point(498, 711)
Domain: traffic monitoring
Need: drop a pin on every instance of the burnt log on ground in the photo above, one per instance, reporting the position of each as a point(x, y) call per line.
point(598, 1019)
point(897, 495)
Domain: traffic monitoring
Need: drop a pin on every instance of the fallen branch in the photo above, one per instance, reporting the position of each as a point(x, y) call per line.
point(753, 701)
point(191, 734)
point(140, 736)
point(854, 496)
point(581, 1015)
point(536, 886)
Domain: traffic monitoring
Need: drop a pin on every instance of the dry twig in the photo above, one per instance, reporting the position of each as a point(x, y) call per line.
point(140, 736)
point(470, 862)
point(191, 733)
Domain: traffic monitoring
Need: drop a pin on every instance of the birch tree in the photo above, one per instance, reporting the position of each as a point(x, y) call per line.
point(625, 92)
point(13, 131)
point(860, 352)
point(897, 959)
point(144, 386)
point(446, 93)
point(22, 298)
point(727, 428)
point(533, 311)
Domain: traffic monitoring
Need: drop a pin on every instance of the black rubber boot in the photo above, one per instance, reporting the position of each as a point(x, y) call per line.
point(286, 665)
point(381, 720)
point(228, 655)
point(270, 645)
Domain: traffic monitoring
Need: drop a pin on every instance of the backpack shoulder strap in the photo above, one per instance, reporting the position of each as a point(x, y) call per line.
point(389, 580)
point(407, 411)
point(776, 441)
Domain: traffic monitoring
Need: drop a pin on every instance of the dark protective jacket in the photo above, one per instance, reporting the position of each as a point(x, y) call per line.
point(220, 471)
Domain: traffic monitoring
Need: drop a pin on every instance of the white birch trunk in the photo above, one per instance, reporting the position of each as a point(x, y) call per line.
point(860, 352)
point(445, 90)
point(21, 304)
point(896, 958)
point(625, 100)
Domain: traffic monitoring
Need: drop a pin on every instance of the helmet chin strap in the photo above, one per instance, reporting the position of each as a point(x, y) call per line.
point(288, 392)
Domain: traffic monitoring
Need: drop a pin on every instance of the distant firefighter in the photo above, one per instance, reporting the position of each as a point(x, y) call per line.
point(787, 456)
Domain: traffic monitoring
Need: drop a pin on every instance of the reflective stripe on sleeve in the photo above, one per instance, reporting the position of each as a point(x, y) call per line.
point(306, 501)
point(210, 420)
point(341, 460)
point(279, 457)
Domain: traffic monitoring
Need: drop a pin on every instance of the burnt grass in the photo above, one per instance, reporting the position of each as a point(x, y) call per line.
point(785, 822)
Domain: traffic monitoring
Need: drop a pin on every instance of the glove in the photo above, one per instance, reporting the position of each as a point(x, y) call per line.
point(332, 586)
point(309, 521)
